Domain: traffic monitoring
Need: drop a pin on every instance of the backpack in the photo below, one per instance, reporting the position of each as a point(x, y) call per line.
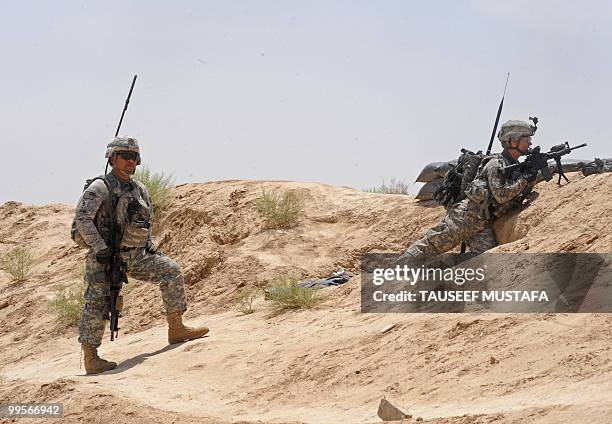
point(111, 184)
point(458, 177)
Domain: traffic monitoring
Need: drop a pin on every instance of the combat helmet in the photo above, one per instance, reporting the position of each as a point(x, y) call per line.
point(122, 144)
point(513, 130)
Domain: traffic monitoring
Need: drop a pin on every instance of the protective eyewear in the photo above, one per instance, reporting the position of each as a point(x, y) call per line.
point(129, 155)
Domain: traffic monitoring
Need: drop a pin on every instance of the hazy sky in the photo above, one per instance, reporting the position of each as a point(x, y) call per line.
point(342, 92)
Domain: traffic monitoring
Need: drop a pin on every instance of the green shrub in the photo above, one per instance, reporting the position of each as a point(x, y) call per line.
point(68, 304)
point(18, 263)
point(284, 293)
point(394, 187)
point(280, 210)
point(159, 186)
point(244, 299)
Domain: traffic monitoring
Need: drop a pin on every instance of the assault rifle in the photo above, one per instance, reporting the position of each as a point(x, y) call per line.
point(538, 161)
point(117, 276)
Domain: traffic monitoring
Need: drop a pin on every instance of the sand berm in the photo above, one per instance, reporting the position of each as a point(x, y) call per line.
point(330, 364)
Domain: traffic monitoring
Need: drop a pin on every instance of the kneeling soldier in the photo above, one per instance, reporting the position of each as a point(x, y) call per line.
point(491, 194)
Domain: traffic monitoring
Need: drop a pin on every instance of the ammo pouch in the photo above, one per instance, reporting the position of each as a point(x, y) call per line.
point(136, 234)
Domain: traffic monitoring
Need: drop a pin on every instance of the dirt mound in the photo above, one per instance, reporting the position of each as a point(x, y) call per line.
point(571, 218)
point(330, 364)
point(82, 404)
point(222, 243)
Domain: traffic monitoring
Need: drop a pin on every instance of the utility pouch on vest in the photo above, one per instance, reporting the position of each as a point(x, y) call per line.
point(136, 234)
point(138, 227)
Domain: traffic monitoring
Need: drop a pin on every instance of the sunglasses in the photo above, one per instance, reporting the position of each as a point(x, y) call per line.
point(129, 155)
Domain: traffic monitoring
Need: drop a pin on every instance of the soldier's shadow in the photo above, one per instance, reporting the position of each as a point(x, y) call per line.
point(138, 359)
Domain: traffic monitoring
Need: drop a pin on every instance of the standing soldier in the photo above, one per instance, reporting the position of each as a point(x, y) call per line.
point(491, 193)
point(131, 205)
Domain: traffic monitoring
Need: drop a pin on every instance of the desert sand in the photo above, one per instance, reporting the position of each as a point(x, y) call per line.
point(330, 364)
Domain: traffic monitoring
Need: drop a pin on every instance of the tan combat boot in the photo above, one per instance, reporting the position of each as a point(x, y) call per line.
point(93, 363)
point(177, 332)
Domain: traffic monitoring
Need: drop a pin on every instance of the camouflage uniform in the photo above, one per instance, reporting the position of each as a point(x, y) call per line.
point(469, 220)
point(93, 224)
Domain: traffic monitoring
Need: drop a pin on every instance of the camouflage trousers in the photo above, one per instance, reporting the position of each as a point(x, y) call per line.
point(461, 223)
point(151, 267)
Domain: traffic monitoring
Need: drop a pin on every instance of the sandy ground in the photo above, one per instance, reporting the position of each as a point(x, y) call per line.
point(331, 364)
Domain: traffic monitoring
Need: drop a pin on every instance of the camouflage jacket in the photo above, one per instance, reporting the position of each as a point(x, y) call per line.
point(493, 189)
point(133, 212)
